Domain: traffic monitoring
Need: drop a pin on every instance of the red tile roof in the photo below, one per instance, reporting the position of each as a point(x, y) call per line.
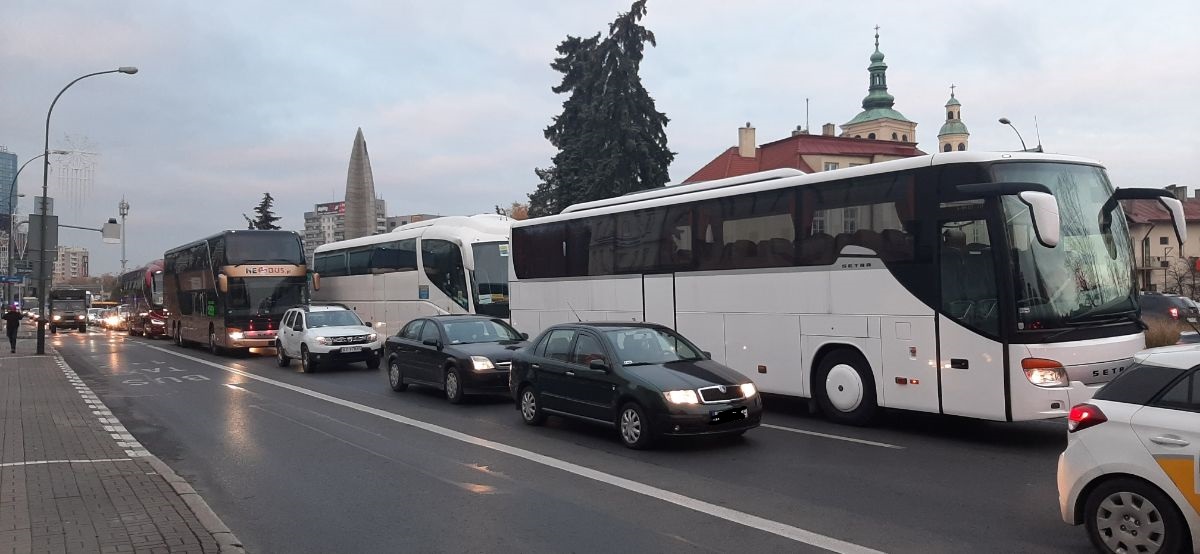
point(1146, 211)
point(787, 153)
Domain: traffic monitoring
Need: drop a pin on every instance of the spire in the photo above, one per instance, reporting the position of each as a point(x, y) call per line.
point(360, 191)
point(953, 135)
point(877, 93)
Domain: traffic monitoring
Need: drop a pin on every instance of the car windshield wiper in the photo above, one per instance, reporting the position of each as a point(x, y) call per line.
point(631, 364)
point(1130, 315)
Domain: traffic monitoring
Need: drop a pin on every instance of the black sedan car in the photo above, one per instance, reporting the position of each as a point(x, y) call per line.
point(645, 380)
point(460, 354)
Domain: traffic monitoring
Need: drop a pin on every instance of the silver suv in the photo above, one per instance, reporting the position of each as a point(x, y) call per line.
point(321, 334)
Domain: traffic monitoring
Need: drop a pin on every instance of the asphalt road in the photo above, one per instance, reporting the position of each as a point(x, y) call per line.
point(337, 462)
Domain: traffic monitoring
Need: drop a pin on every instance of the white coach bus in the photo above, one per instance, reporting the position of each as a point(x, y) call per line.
point(990, 285)
point(448, 265)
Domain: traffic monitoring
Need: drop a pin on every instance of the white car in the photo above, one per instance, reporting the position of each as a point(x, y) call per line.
point(1131, 470)
point(321, 334)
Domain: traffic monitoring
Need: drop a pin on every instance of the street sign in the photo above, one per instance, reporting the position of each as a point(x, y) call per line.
point(11, 279)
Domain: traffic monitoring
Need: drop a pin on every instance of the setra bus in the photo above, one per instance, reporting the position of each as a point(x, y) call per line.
point(448, 265)
point(229, 291)
point(142, 290)
point(989, 285)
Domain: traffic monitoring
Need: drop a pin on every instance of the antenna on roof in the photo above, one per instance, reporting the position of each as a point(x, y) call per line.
point(806, 127)
point(573, 311)
point(1039, 134)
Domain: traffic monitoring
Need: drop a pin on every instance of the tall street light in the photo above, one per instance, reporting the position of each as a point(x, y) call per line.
point(123, 210)
point(12, 208)
point(1005, 121)
point(42, 285)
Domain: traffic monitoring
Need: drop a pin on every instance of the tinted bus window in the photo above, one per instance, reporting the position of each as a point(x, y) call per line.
point(444, 266)
point(399, 255)
point(330, 264)
point(747, 231)
point(263, 247)
point(540, 251)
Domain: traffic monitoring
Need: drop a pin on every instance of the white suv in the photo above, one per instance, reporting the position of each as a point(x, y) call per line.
point(320, 334)
point(1131, 470)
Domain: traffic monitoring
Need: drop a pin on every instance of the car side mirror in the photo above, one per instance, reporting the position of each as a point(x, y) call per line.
point(368, 324)
point(432, 342)
point(525, 336)
point(707, 355)
point(599, 365)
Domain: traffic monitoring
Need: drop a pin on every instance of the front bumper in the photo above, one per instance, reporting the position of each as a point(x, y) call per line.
point(710, 419)
point(367, 351)
point(488, 381)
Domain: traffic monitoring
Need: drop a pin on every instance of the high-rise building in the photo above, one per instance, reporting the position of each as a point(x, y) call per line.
point(361, 210)
point(71, 262)
point(8, 193)
point(327, 223)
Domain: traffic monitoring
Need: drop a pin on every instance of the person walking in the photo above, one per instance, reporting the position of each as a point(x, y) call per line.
point(12, 323)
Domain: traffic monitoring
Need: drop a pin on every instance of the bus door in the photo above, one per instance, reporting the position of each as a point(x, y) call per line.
point(971, 368)
point(658, 299)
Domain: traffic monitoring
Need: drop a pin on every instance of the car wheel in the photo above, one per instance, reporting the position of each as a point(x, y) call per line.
point(283, 359)
point(453, 386)
point(308, 364)
point(1128, 515)
point(396, 375)
point(634, 428)
point(373, 362)
point(531, 408)
point(845, 388)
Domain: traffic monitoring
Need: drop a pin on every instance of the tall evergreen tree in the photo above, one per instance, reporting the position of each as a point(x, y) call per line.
point(265, 218)
point(610, 138)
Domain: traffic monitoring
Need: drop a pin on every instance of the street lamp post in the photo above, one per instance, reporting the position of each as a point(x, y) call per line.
point(12, 208)
point(42, 282)
point(123, 210)
point(1005, 121)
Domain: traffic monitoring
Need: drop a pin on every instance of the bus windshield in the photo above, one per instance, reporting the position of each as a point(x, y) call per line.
point(490, 278)
point(1087, 277)
point(264, 295)
point(263, 247)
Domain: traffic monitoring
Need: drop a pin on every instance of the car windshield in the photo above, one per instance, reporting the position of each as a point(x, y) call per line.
point(1087, 276)
point(645, 345)
point(337, 318)
point(479, 330)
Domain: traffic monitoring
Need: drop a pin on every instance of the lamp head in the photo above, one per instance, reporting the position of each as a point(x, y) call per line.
point(128, 70)
point(1005, 121)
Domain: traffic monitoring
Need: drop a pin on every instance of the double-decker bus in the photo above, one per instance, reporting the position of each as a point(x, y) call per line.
point(231, 289)
point(142, 290)
point(68, 309)
point(989, 285)
point(449, 265)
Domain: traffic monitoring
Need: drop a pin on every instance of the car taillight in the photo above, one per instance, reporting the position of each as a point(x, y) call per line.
point(1174, 313)
point(1084, 416)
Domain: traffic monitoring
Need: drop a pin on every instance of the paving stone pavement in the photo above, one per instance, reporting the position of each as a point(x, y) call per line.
point(73, 480)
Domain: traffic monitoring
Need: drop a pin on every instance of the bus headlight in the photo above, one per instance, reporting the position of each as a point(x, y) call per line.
point(682, 397)
point(57, 318)
point(482, 362)
point(1045, 373)
point(236, 334)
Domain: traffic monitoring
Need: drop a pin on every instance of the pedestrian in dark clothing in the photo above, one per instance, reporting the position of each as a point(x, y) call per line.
point(12, 322)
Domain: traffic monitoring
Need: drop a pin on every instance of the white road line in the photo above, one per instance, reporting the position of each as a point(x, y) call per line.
point(828, 436)
point(42, 462)
point(728, 514)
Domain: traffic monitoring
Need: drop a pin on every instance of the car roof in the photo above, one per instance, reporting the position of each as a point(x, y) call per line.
point(1183, 356)
point(449, 317)
point(610, 324)
point(322, 308)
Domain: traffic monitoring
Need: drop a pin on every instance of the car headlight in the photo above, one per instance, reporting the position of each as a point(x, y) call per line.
point(57, 317)
point(237, 335)
point(1045, 373)
point(748, 390)
point(322, 340)
point(78, 317)
point(482, 362)
point(372, 336)
point(682, 397)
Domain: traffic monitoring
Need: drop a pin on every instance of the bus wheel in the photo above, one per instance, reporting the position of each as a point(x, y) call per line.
point(178, 335)
point(845, 389)
point(212, 342)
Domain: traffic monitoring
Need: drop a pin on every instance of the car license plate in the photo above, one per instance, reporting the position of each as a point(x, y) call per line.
point(733, 414)
point(351, 349)
point(1191, 320)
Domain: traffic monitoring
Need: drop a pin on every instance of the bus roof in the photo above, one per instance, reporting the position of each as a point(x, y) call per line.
point(783, 178)
point(227, 233)
point(475, 227)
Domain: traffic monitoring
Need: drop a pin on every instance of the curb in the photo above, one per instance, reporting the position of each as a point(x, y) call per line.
point(227, 542)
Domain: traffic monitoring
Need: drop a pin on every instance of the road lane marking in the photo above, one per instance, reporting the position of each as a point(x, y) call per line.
point(828, 436)
point(728, 514)
point(42, 462)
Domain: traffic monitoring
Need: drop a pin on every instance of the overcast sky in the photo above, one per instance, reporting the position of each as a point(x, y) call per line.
point(239, 98)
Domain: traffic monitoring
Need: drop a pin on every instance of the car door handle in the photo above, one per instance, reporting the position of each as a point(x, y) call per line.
point(536, 366)
point(1169, 440)
point(570, 374)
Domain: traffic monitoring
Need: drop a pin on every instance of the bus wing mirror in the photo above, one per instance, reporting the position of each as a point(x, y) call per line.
point(316, 281)
point(1043, 210)
point(1173, 206)
point(223, 283)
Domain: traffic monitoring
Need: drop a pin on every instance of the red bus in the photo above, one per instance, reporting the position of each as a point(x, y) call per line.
point(142, 290)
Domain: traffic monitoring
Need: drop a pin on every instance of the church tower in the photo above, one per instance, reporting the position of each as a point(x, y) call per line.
point(878, 120)
point(953, 135)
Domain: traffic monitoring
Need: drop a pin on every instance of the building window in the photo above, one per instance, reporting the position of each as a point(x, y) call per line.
point(830, 166)
point(818, 222)
point(895, 136)
point(947, 148)
point(857, 136)
point(850, 219)
point(871, 136)
point(949, 115)
point(961, 147)
point(905, 138)
point(1164, 240)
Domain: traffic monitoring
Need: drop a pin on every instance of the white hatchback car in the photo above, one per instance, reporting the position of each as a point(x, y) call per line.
point(1131, 470)
point(320, 334)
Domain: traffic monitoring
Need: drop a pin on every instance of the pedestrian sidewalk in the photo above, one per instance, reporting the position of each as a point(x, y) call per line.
point(72, 479)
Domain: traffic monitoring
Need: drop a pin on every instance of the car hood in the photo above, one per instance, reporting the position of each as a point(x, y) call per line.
point(349, 331)
point(496, 351)
point(685, 375)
